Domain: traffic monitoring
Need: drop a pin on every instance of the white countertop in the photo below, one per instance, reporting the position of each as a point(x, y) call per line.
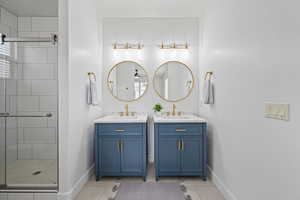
point(114, 118)
point(188, 118)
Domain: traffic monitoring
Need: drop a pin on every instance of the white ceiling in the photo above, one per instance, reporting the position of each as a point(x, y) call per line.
point(42, 8)
point(150, 8)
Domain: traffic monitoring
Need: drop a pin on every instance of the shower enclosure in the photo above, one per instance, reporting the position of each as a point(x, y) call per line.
point(28, 110)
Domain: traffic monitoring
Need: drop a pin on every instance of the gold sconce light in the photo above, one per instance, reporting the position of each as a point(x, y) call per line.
point(127, 46)
point(174, 46)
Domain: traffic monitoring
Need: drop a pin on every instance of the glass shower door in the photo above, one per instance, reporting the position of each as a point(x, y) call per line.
point(28, 122)
point(2, 155)
point(2, 135)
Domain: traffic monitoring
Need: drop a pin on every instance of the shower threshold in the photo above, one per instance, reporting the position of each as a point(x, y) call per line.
point(28, 190)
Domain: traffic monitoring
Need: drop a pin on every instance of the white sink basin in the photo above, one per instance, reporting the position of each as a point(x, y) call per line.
point(178, 117)
point(122, 117)
point(190, 118)
point(113, 118)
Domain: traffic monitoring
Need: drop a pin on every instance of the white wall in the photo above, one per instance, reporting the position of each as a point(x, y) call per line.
point(153, 8)
point(84, 57)
point(80, 54)
point(150, 32)
point(253, 49)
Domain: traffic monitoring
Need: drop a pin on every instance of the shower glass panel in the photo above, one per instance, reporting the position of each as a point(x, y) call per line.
point(2, 146)
point(28, 116)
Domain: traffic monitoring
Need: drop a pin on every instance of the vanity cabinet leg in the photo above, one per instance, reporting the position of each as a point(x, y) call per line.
point(98, 178)
point(157, 178)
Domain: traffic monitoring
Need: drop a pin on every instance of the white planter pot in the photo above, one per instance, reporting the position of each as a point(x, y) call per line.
point(158, 113)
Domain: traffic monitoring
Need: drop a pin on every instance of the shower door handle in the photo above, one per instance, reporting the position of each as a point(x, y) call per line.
point(4, 114)
point(8, 115)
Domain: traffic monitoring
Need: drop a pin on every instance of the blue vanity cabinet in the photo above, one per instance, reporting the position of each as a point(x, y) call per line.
point(169, 154)
point(111, 156)
point(180, 149)
point(120, 149)
point(131, 156)
point(192, 154)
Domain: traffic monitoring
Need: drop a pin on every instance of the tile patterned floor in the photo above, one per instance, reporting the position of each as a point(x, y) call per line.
point(196, 188)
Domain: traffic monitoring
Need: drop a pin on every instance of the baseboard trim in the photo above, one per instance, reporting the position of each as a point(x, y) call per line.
point(228, 195)
point(70, 195)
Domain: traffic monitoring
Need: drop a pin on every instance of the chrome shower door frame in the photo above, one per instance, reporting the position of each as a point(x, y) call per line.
point(16, 188)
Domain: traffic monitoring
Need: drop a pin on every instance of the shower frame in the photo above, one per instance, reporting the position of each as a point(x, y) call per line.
point(30, 188)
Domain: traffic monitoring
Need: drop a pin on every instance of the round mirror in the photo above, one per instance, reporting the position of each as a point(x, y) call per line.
point(127, 81)
point(173, 81)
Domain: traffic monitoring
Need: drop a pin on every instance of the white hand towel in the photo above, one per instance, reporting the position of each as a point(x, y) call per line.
point(92, 93)
point(208, 93)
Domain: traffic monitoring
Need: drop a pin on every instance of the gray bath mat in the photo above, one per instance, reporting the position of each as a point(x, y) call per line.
point(150, 191)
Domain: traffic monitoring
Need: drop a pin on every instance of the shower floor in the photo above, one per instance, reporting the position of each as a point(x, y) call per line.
point(32, 172)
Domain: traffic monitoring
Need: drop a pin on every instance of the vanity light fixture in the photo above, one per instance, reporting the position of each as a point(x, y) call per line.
point(127, 46)
point(174, 46)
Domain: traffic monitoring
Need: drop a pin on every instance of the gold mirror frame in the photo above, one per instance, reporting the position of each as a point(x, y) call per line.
point(180, 99)
point(115, 66)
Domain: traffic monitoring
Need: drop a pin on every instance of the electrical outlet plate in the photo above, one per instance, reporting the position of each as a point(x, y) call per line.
point(277, 111)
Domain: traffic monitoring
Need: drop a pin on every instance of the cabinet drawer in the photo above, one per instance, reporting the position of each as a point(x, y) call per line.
point(119, 129)
point(180, 129)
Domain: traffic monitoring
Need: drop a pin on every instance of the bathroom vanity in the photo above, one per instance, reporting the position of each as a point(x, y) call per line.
point(121, 146)
point(180, 139)
point(180, 146)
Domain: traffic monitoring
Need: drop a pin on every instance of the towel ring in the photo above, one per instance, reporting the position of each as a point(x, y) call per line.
point(208, 74)
point(91, 74)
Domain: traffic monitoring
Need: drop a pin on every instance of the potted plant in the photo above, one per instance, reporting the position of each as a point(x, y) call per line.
point(157, 108)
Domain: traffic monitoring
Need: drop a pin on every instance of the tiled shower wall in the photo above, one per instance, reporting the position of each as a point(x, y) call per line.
point(31, 90)
point(36, 89)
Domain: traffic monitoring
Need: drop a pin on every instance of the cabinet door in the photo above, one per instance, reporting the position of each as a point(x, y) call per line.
point(110, 154)
point(169, 154)
point(192, 154)
point(131, 155)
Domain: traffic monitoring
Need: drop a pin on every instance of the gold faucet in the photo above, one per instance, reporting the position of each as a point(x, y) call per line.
point(173, 110)
point(126, 110)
